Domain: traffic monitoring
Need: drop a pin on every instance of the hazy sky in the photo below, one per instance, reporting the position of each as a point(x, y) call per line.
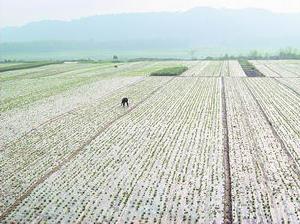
point(19, 12)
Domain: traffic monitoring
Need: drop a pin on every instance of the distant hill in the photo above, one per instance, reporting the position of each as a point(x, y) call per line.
point(197, 28)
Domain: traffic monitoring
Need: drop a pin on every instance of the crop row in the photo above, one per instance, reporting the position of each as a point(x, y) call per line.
point(292, 83)
point(44, 71)
point(213, 68)
point(235, 69)
point(20, 92)
point(265, 183)
point(289, 68)
point(282, 107)
point(229, 68)
point(29, 158)
point(277, 68)
point(216, 68)
point(196, 69)
point(162, 162)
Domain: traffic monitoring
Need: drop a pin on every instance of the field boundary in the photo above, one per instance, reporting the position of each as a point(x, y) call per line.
point(226, 159)
point(206, 76)
point(31, 188)
point(292, 161)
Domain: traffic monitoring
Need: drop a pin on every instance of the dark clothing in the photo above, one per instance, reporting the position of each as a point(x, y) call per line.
point(125, 101)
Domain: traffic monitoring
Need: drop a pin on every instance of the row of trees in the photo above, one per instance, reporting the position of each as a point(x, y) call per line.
point(285, 53)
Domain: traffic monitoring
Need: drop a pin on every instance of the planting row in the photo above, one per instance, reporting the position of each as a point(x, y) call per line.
point(291, 83)
point(282, 107)
point(235, 69)
point(265, 183)
point(196, 69)
point(48, 70)
point(291, 67)
point(216, 68)
point(30, 157)
point(278, 68)
point(162, 162)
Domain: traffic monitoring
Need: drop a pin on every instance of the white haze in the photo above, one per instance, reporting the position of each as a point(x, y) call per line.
point(16, 12)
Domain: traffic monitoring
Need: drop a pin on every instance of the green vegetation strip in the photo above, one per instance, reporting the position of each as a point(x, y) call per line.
point(171, 71)
point(27, 65)
point(20, 101)
point(249, 69)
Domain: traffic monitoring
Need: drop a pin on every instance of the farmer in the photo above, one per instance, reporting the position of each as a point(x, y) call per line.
point(125, 101)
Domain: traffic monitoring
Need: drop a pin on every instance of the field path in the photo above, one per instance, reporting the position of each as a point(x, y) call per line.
point(227, 196)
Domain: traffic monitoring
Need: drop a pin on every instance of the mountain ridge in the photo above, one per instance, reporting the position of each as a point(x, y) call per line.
point(200, 27)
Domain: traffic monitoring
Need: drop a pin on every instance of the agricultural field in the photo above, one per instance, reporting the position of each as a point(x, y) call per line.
point(279, 68)
point(12, 66)
point(7, 65)
point(216, 68)
point(211, 145)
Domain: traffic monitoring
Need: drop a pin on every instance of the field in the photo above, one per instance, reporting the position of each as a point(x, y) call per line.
point(23, 65)
point(279, 68)
point(212, 145)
